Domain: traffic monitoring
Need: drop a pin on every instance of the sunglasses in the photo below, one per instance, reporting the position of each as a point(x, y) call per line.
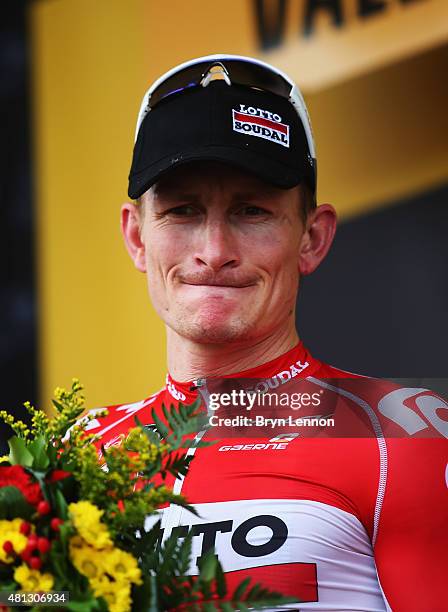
point(234, 69)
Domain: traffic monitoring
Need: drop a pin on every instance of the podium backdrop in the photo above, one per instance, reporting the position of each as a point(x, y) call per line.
point(375, 82)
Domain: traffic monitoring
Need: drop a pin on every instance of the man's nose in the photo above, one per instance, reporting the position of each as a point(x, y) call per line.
point(216, 245)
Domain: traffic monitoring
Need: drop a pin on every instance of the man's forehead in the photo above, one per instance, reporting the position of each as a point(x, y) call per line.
point(199, 175)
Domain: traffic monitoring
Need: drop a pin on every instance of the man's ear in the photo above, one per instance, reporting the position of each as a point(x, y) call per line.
point(130, 228)
point(317, 238)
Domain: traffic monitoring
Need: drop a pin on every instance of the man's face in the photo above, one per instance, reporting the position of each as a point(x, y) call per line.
point(221, 253)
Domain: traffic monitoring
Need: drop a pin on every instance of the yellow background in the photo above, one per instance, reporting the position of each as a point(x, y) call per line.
point(378, 112)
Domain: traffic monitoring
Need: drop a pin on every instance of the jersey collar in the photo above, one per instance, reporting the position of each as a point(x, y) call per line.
point(296, 362)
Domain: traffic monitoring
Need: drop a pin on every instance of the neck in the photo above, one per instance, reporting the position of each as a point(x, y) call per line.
point(188, 360)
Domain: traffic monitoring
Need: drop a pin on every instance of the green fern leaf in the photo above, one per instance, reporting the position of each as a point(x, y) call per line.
point(239, 591)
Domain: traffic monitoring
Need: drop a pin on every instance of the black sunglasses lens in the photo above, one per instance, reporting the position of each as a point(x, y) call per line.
point(240, 72)
point(188, 77)
point(253, 75)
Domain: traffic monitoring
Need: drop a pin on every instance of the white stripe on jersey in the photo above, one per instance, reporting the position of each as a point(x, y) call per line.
point(284, 532)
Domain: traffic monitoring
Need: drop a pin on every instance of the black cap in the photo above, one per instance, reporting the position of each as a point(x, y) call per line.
point(254, 130)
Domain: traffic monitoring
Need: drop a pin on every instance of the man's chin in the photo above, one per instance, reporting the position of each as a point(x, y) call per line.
point(215, 332)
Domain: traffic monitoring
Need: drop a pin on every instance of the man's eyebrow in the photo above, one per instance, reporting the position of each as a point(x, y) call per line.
point(177, 193)
point(174, 193)
point(259, 194)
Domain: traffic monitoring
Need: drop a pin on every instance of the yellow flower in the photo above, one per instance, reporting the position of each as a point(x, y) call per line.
point(4, 459)
point(19, 542)
point(122, 566)
point(118, 599)
point(110, 572)
point(86, 559)
point(10, 532)
point(77, 542)
point(116, 594)
point(86, 518)
point(33, 580)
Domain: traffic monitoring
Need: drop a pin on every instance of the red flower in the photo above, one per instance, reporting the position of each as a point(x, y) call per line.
point(15, 476)
point(35, 563)
point(44, 545)
point(43, 507)
point(58, 475)
point(25, 528)
point(8, 547)
point(55, 523)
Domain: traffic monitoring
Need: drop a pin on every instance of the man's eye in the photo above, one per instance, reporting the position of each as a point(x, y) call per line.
point(253, 211)
point(185, 210)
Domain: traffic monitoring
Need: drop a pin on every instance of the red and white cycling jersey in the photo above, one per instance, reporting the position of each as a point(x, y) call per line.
point(355, 520)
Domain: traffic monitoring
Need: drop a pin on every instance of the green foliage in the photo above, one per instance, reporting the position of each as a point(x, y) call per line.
point(38, 449)
point(19, 454)
point(13, 503)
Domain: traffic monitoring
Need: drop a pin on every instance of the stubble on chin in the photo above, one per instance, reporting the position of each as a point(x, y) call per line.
point(208, 330)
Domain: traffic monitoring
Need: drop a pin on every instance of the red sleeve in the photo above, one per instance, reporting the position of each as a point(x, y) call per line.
point(411, 549)
point(410, 535)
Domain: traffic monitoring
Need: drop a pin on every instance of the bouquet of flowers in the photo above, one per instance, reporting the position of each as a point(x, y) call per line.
point(72, 528)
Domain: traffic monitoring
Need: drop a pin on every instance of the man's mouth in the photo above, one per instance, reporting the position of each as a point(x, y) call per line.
point(220, 284)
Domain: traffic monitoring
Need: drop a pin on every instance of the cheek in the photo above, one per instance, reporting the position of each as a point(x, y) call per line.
point(161, 254)
point(281, 258)
point(284, 279)
point(158, 263)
